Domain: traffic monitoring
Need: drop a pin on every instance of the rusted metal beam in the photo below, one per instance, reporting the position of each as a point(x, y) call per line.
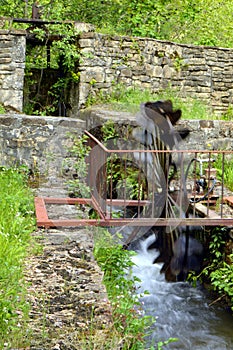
point(41, 212)
point(66, 223)
point(44, 221)
point(133, 222)
point(97, 208)
point(66, 200)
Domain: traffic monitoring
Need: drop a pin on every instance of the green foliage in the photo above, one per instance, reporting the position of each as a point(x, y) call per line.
point(202, 22)
point(219, 271)
point(217, 245)
point(228, 170)
point(129, 99)
point(120, 283)
point(228, 115)
point(16, 223)
point(64, 57)
point(127, 179)
point(2, 109)
point(123, 175)
point(77, 162)
point(64, 49)
point(166, 342)
point(109, 131)
point(222, 280)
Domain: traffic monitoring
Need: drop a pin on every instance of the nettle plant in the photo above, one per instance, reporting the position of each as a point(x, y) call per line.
point(222, 280)
point(220, 271)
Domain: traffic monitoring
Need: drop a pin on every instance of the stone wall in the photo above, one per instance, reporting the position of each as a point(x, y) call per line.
point(208, 134)
point(204, 72)
point(204, 134)
point(41, 142)
point(38, 142)
point(12, 64)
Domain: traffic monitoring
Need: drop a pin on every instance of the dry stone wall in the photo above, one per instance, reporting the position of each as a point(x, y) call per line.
point(204, 134)
point(39, 142)
point(12, 65)
point(208, 134)
point(204, 72)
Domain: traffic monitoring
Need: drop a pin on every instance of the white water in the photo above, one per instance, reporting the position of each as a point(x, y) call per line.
point(182, 311)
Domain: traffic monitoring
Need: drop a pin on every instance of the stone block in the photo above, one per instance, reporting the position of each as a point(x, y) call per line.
point(12, 98)
point(84, 43)
point(206, 124)
point(5, 60)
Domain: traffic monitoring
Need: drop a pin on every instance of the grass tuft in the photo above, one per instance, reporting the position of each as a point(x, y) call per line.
point(129, 100)
point(16, 223)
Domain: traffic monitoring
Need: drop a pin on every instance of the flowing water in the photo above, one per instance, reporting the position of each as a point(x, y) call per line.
point(181, 310)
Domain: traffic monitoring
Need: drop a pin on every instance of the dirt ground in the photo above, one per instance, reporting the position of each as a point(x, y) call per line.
point(65, 286)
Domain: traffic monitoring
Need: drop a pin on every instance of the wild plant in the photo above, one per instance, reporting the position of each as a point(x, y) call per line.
point(128, 316)
point(227, 173)
point(16, 223)
point(77, 186)
point(128, 99)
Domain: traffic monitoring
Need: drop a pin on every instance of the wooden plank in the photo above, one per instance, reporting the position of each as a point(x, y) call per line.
point(228, 200)
point(205, 211)
point(67, 200)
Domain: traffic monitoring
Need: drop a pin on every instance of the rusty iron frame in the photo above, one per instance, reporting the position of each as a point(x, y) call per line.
point(100, 203)
point(44, 221)
point(104, 220)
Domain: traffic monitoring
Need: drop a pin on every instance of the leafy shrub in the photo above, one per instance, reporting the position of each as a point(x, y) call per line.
point(222, 280)
point(219, 271)
point(2, 109)
point(228, 170)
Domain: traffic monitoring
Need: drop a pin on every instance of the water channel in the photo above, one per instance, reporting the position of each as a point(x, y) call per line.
point(181, 311)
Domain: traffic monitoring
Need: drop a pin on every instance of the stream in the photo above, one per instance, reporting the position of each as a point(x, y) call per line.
point(181, 311)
